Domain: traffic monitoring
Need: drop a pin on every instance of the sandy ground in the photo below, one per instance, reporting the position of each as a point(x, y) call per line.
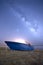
point(9, 57)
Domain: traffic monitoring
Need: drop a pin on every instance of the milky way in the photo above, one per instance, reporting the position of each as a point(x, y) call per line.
point(21, 19)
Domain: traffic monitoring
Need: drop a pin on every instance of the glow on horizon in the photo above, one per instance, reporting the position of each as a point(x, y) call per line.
point(20, 40)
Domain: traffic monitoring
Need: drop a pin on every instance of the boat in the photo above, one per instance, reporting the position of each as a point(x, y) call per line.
point(19, 46)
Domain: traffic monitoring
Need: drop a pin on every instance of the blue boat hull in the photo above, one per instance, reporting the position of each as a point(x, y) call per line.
point(18, 46)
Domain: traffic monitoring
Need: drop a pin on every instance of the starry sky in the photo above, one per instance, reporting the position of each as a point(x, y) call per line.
point(21, 19)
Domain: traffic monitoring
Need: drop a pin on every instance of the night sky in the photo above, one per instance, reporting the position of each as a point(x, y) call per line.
point(21, 19)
